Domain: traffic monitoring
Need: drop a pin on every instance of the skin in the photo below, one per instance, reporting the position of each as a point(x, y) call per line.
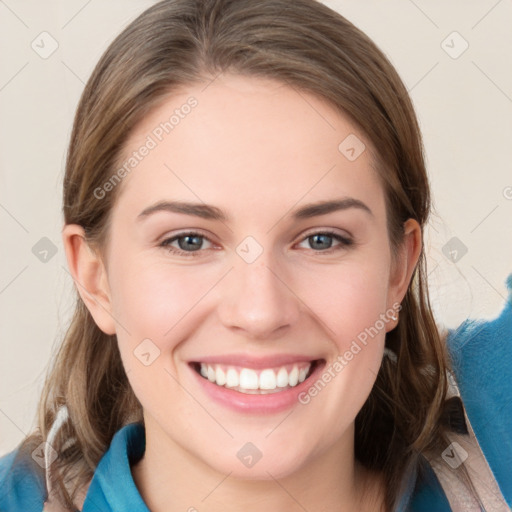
point(258, 150)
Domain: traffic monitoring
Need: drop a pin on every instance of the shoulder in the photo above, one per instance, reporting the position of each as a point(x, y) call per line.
point(481, 353)
point(427, 493)
point(22, 485)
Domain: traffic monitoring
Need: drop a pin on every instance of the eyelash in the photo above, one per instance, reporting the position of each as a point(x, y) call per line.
point(344, 242)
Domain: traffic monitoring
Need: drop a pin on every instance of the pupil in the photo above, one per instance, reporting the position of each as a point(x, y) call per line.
point(189, 242)
point(321, 241)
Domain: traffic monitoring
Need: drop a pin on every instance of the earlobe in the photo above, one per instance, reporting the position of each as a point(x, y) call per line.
point(405, 264)
point(90, 277)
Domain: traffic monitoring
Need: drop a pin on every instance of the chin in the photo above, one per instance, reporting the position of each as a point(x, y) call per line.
point(252, 463)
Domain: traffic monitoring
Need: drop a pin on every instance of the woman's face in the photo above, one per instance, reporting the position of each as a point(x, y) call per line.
point(250, 237)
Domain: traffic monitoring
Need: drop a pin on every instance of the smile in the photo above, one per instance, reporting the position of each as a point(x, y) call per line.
point(256, 381)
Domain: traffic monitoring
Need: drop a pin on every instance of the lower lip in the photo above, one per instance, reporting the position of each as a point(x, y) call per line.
point(257, 403)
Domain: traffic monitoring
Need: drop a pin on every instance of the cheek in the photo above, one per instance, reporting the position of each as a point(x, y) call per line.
point(151, 300)
point(157, 305)
point(347, 298)
point(154, 304)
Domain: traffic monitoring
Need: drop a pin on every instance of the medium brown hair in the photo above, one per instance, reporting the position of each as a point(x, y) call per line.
point(312, 48)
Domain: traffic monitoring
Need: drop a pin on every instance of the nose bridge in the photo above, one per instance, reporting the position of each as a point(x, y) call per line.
point(256, 299)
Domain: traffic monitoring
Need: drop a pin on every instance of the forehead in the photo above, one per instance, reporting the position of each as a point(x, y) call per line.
point(240, 141)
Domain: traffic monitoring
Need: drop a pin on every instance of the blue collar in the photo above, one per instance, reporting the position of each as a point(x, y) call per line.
point(112, 487)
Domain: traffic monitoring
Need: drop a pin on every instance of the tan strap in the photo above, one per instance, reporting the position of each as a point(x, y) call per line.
point(482, 493)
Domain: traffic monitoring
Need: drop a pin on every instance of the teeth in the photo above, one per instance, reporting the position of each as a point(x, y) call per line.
point(232, 378)
point(220, 376)
point(251, 381)
point(293, 378)
point(267, 379)
point(282, 378)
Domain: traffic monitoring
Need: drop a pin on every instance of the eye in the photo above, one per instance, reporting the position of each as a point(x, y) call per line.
point(322, 241)
point(192, 243)
point(188, 244)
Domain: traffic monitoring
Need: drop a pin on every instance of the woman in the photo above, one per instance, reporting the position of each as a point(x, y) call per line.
point(244, 202)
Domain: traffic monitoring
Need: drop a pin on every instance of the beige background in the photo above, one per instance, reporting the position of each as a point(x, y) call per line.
point(464, 105)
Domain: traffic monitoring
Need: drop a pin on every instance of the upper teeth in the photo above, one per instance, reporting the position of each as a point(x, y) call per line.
point(250, 379)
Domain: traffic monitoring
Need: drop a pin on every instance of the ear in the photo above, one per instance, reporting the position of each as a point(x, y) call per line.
point(89, 275)
point(403, 267)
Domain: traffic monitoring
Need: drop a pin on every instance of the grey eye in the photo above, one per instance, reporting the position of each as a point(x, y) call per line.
point(320, 241)
point(190, 242)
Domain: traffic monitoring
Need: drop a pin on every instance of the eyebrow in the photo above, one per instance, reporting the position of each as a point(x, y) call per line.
point(210, 212)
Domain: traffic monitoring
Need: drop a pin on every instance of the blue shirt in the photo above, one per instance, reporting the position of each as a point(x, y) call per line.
point(482, 358)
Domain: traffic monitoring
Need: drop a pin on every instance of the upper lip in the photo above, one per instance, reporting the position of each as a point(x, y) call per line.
point(256, 362)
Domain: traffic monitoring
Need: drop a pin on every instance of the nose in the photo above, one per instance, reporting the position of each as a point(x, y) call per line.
point(257, 300)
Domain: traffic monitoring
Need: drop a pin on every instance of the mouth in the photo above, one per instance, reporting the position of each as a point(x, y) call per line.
point(257, 381)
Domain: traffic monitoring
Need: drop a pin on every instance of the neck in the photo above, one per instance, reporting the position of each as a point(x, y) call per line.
point(171, 478)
